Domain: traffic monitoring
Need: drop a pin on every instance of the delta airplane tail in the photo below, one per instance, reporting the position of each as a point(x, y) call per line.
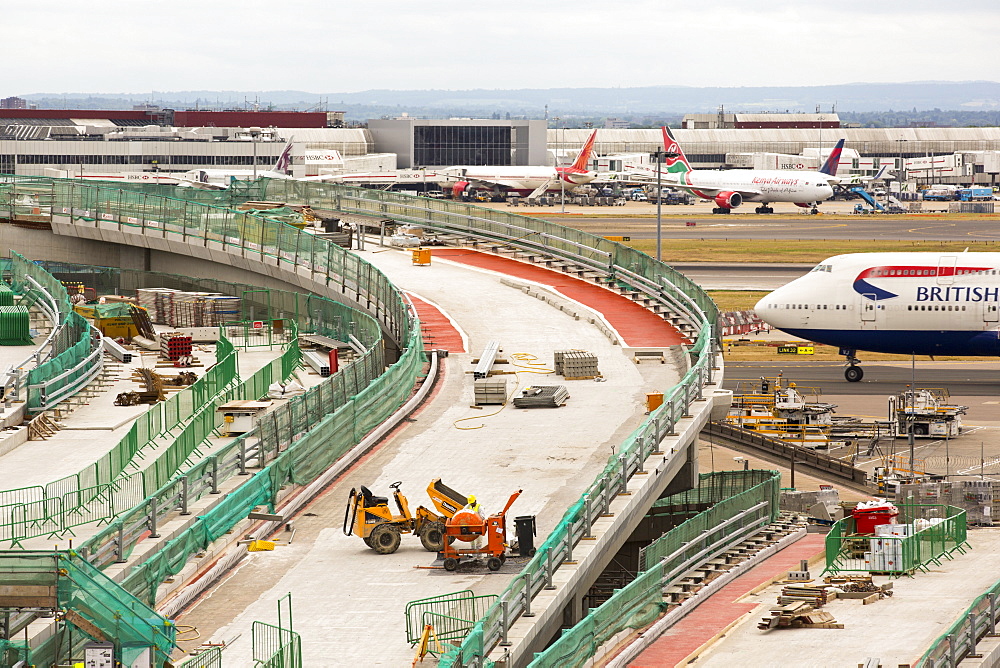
point(833, 160)
point(583, 159)
point(675, 160)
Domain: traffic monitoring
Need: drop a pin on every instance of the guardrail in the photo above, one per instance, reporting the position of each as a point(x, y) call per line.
point(979, 620)
point(804, 457)
point(69, 358)
point(665, 560)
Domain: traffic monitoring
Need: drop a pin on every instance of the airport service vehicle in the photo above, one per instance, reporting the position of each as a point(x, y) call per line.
point(730, 188)
point(905, 303)
point(524, 180)
point(975, 194)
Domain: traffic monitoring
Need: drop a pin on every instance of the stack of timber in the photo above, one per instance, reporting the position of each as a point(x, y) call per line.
point(798, 615)
point(816, 596)
point(542, 396)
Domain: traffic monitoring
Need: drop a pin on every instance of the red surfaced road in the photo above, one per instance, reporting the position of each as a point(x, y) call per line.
point(637, 326)
point(722, 609)
point(437, 330)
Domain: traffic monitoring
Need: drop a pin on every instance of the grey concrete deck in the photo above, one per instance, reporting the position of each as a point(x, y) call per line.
point(341, 590)
point(896, 630)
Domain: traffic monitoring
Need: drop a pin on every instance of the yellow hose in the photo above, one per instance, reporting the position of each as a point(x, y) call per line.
point(528, 364)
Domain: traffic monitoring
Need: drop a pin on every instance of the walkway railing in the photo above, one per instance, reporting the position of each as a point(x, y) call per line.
point(668, 558)
point(71, 356)
point(981, 619)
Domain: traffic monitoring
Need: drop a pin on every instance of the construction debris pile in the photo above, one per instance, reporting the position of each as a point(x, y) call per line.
point(798, 605)
point(177, 308)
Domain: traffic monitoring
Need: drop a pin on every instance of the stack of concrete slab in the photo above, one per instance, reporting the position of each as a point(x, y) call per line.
point(542, 396)
point(576, 364)
point(491, 391)
point(980, 499)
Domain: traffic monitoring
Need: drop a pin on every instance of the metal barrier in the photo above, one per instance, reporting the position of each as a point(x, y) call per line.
point(451, 615)
point(667, 559)
point(210, 658)
point(74, 355)
point(980, 619)
point(943, 535)
point(275, 647)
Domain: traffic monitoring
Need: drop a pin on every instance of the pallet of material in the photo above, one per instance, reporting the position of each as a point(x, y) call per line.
point(542, 396)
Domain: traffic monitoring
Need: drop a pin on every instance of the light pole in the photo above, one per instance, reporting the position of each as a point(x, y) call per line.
point(254, 133)
point(659, 200)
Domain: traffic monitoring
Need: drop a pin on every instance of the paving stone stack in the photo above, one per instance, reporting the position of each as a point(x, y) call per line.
point(491, 391)
point(576, 364)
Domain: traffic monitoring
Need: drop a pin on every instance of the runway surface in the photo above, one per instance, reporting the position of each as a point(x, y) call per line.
point(737, 226)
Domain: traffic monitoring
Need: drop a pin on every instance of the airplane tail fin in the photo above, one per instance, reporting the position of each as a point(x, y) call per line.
point(674, 157)
point(284, 163)
point(833, 160)
point(583, 159)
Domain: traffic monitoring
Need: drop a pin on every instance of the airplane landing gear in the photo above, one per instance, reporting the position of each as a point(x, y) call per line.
point(814, 211)
point(764, 209)
point(721, 209)
point(853, 373)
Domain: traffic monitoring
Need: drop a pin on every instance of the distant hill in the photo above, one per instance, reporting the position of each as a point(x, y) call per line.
point(572, 102)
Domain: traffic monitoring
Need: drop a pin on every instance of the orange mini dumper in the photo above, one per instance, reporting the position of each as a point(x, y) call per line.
point(465, 526)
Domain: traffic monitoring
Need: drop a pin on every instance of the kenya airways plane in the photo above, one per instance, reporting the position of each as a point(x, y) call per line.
point(531, 181)
point(730, 188)
point(908, 303)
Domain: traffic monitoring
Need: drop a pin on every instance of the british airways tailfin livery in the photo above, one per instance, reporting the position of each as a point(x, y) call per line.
point(907, 303)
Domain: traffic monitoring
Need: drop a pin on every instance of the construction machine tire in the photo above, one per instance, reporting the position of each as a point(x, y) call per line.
point(450, 564)
point(494, 563)
point(385, 539)
point(432, 537)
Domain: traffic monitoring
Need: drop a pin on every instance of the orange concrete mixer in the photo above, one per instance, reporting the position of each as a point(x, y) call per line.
point(467, 525)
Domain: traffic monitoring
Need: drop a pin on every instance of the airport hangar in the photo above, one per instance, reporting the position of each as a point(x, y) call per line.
point(56, 143)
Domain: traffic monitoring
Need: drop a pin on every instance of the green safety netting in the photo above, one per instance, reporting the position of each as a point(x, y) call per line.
point(94, 597)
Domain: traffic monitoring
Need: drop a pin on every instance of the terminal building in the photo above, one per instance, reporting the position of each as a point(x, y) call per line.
point(94, 143)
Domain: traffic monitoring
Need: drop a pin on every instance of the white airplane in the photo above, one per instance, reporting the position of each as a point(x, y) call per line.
point(526, 180)
point(906, 303)
point(730, 188)
point(219, 179)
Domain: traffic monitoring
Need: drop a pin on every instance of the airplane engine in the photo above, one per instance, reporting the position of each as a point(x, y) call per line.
point(458, 189)
point(729, 200)
point(805, 205)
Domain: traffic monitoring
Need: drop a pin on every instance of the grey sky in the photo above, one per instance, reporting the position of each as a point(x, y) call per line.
point(325, 46)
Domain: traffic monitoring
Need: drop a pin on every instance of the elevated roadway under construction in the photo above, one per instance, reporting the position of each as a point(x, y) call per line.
point(338, 583)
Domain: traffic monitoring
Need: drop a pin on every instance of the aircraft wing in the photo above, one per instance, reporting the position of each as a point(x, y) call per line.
point(200, 185)
point(855, 179)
